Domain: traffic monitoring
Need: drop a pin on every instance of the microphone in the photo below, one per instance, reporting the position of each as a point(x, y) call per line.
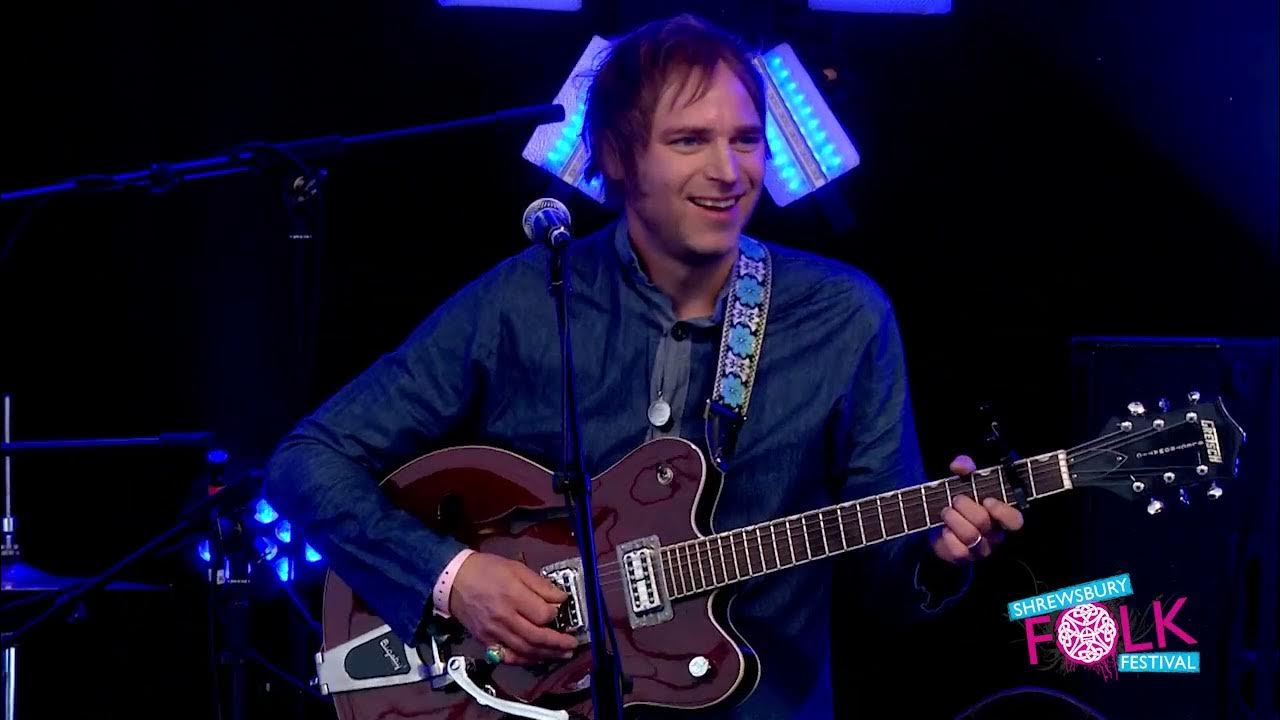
point(546, 221)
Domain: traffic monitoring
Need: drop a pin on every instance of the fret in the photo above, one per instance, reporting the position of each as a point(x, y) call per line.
point(909, 522)
point(947, 485)
point(902, 507)
point(746, 553)
point(679, 566)
point(973, 481)
point(724, 564)
point(790, 543)
point(702, 573)
point(764, 564)
point(822, 527)
point(894, 525)
point(880, 511)
point(861, 531)
point(736, 572)
point(711, 563)
point(1003, 494)
point(773, 538)
point(1031, 478)
point(670, 572)
point(693, 577)
point(924, 501)
point(844, 543)
point(938, 503)
point(804, 533)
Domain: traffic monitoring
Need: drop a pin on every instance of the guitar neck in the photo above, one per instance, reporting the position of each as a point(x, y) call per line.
point(720, 560)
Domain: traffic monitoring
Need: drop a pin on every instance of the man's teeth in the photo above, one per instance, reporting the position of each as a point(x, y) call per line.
point(719, 204)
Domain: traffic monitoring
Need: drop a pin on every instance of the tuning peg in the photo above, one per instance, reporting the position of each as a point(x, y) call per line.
point(1154, 507)
point(1164, 404)
point(1214, 492)
point(1194, 396)
point(1138, 485)
point(1169, 478)
point(1137, 409)
point(1184, 497)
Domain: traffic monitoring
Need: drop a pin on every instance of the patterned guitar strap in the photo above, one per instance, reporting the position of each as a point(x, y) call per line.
point(740, 343)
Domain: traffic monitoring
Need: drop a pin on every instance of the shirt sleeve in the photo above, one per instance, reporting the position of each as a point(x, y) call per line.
point(877, 450)
point(324, 474)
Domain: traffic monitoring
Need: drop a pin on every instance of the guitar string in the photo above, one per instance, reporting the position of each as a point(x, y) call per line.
point(704, 555)
point(703, 552)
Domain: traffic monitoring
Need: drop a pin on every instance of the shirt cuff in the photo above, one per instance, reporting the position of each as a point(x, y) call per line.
point(444, 585)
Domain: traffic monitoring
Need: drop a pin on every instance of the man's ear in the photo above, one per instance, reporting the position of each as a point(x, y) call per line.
point(611, 163)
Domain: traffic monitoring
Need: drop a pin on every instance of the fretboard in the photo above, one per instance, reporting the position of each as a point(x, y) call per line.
point(718, 560)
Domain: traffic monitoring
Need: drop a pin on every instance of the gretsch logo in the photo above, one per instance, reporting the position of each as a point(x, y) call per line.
point(1211, 445)
point(1175, 448)
point(386, 650)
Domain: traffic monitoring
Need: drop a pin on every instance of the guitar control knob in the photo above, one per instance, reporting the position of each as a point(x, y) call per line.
point(1192, 417)
point(1214, 492)
point(1202, 470)
point(1169, 478)
point(1154, 507)
point(1194, 396)
point(1126, 426)
point(1157, 424)
point(1164, 404)
point(699, 666)
point(1139, 486)
point(1137, 409)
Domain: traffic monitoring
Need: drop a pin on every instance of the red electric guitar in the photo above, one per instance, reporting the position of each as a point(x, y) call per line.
point(668, 580)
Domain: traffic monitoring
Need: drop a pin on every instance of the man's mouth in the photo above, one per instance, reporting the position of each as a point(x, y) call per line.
point(716, 204)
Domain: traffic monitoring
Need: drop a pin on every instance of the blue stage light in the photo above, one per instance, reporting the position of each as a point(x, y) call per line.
point(202, 549)
point(284, 531)
point(311, 555)
point(264, 513)
point(809, 146)
point(559, 5)
point(558, 148)
point(912, 7)
point(284, 569)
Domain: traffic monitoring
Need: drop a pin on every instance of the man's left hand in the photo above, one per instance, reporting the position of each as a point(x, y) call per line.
point(972, 531)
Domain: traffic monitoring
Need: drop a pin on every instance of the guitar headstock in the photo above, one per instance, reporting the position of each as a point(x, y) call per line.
point(1162, 455)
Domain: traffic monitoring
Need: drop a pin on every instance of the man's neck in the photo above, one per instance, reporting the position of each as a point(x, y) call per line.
point(692, 287)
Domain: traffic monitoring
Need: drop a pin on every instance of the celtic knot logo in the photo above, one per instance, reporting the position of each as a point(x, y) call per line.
point(1086, 633)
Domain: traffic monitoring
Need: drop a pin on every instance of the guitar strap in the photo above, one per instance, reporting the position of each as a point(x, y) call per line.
point(740, 342)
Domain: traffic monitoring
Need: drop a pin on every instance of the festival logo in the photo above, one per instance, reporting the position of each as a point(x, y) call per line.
point(1095, 626)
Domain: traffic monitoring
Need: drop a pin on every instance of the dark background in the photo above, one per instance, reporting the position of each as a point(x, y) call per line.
point(1031, 173)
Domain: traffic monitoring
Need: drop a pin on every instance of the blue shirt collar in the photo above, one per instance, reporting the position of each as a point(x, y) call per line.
point(650, 292)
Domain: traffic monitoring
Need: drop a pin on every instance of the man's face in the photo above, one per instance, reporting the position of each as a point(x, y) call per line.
point(699, 179)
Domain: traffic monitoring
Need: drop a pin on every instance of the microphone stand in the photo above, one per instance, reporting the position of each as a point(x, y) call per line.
point(607, 680)
point(303, 201)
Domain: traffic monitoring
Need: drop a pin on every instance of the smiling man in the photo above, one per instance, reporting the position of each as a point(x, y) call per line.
point(675, 125)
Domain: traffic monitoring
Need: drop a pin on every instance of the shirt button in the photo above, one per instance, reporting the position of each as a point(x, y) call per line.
point(680, 331)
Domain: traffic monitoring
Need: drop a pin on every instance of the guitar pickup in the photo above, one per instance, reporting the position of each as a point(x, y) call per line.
point(648, 598)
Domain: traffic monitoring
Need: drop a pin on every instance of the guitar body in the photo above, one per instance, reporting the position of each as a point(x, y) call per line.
point(669, 603)
point(498, 502)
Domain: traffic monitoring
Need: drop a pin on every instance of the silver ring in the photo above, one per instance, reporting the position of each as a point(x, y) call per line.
point(975, 543)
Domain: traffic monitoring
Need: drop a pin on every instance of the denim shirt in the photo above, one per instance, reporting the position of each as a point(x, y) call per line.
point(830, 421)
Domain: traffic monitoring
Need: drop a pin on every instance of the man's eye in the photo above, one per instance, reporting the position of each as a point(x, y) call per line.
point(686, 141)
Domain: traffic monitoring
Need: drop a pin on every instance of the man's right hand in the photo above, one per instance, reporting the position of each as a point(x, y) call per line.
point(503, 602)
